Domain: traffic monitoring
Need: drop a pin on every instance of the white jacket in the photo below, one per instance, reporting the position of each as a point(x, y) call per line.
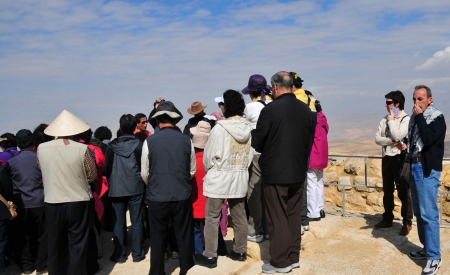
point(226, 159)
point(398, 129)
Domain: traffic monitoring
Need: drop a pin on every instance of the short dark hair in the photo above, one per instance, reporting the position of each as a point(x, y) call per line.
point(141, 135)
point(39, 136)
point(165, 118)
point(397, 97)
point(234, 103)
point(103, 133)
point(138, 116)
point(25, 144)
point(9, 142)
point(86, 136)
point(424, 87)
point(128, 123)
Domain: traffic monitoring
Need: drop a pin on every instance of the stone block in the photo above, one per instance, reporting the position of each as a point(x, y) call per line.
point(375, 164)
point(331, 177)
point(344, 180)
point(354, 166)
point(371, 181)
point(336, 161)
point(373, 199)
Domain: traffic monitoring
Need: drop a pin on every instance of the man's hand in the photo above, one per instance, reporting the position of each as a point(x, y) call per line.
point(417, 110)
point(401, 146)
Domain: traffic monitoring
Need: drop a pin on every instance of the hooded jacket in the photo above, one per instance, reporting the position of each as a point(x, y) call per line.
point(319, 152)
point(123, 168)
point(226, 159)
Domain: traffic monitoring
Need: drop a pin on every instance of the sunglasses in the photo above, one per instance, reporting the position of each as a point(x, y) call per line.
point(143, 122)
point(389, 102)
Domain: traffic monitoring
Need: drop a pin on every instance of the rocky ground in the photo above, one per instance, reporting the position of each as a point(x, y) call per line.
point(334, 245)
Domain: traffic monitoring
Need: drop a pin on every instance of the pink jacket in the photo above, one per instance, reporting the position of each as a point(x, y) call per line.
point(319, 151)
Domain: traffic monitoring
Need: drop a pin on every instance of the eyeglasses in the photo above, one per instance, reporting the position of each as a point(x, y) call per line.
point(143, 122)
point(389, 102)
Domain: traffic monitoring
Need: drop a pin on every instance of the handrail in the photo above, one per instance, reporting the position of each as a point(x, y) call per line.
point(344, 190)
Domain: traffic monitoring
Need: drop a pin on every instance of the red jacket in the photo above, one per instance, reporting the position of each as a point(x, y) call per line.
point(197, 197)
point(319, 152)
point(100, 183)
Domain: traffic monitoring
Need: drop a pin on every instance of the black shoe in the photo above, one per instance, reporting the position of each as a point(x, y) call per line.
point(138, 259)
point(322, 214)
point(114, 260)
point(206, 262)
point(27, 271)
point(237, 256)
point(315, 219)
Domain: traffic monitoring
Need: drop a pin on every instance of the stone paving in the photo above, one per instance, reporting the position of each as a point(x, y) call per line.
point(334, 245)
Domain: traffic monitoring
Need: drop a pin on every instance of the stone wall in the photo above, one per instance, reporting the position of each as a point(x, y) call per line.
point(351, 171)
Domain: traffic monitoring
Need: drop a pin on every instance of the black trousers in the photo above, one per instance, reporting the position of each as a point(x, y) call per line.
point(92, 265)
point(283, 212)
point(159, 215)
point(68, 228)
point(390, 166)
point(29, 234)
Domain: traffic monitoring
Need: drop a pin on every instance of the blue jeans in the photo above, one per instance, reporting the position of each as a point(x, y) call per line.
point(424, 193)
point(198, 227)
point(119, 205)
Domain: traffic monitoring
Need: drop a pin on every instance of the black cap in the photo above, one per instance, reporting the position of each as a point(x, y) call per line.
point(24, 135)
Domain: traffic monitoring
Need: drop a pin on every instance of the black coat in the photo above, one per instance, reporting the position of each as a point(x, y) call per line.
point(6, 187)
point(282, 136)
point(433, 136)
point(192, 122)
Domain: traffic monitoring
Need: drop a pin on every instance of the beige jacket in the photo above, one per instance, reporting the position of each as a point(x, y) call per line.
point(398, 129)
point(64, 171)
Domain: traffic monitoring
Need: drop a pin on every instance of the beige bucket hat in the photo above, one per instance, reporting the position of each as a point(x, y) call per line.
point(66, 124)
point(200, 134)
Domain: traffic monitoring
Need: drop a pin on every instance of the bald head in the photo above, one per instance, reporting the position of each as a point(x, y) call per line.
point(281, 83)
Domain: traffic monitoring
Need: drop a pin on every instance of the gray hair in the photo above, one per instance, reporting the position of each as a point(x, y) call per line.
point(282, 79)
point(418, 87)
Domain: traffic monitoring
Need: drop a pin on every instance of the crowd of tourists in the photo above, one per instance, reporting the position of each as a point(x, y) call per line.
point(260, 164)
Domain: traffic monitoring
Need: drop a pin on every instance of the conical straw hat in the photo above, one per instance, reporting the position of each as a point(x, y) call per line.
point(66, 124)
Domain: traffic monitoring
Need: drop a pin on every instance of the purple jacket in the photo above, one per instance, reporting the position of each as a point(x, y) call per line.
point(7, 154)
point(319, 152)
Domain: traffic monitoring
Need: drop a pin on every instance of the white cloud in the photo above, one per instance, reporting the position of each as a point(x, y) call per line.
point(122, 55)
point(438, 59)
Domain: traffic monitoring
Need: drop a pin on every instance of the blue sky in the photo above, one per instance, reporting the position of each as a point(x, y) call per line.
point(101, 59)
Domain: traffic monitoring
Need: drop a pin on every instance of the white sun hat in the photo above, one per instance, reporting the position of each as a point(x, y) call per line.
point(66, 124)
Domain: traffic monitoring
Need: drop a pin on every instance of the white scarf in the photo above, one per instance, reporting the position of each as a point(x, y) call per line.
point(430, 115)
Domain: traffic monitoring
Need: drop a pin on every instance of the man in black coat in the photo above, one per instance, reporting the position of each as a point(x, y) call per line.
point(282, 136)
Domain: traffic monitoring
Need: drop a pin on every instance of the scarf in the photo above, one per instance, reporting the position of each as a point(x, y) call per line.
point(430, 115)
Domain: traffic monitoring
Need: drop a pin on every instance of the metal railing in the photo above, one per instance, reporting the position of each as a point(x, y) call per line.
point(344, 212)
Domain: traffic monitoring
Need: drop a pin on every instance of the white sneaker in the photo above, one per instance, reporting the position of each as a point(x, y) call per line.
point(257, 238)
point(270, 269)
point(432, 267)
point(295, 265)
point(303, 231)
point(306, 227)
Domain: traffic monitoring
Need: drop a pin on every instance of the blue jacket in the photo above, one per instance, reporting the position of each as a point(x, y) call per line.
point(28, 190)
point(123, 167)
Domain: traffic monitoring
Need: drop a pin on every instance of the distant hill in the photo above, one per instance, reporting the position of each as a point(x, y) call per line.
point(366, 147)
